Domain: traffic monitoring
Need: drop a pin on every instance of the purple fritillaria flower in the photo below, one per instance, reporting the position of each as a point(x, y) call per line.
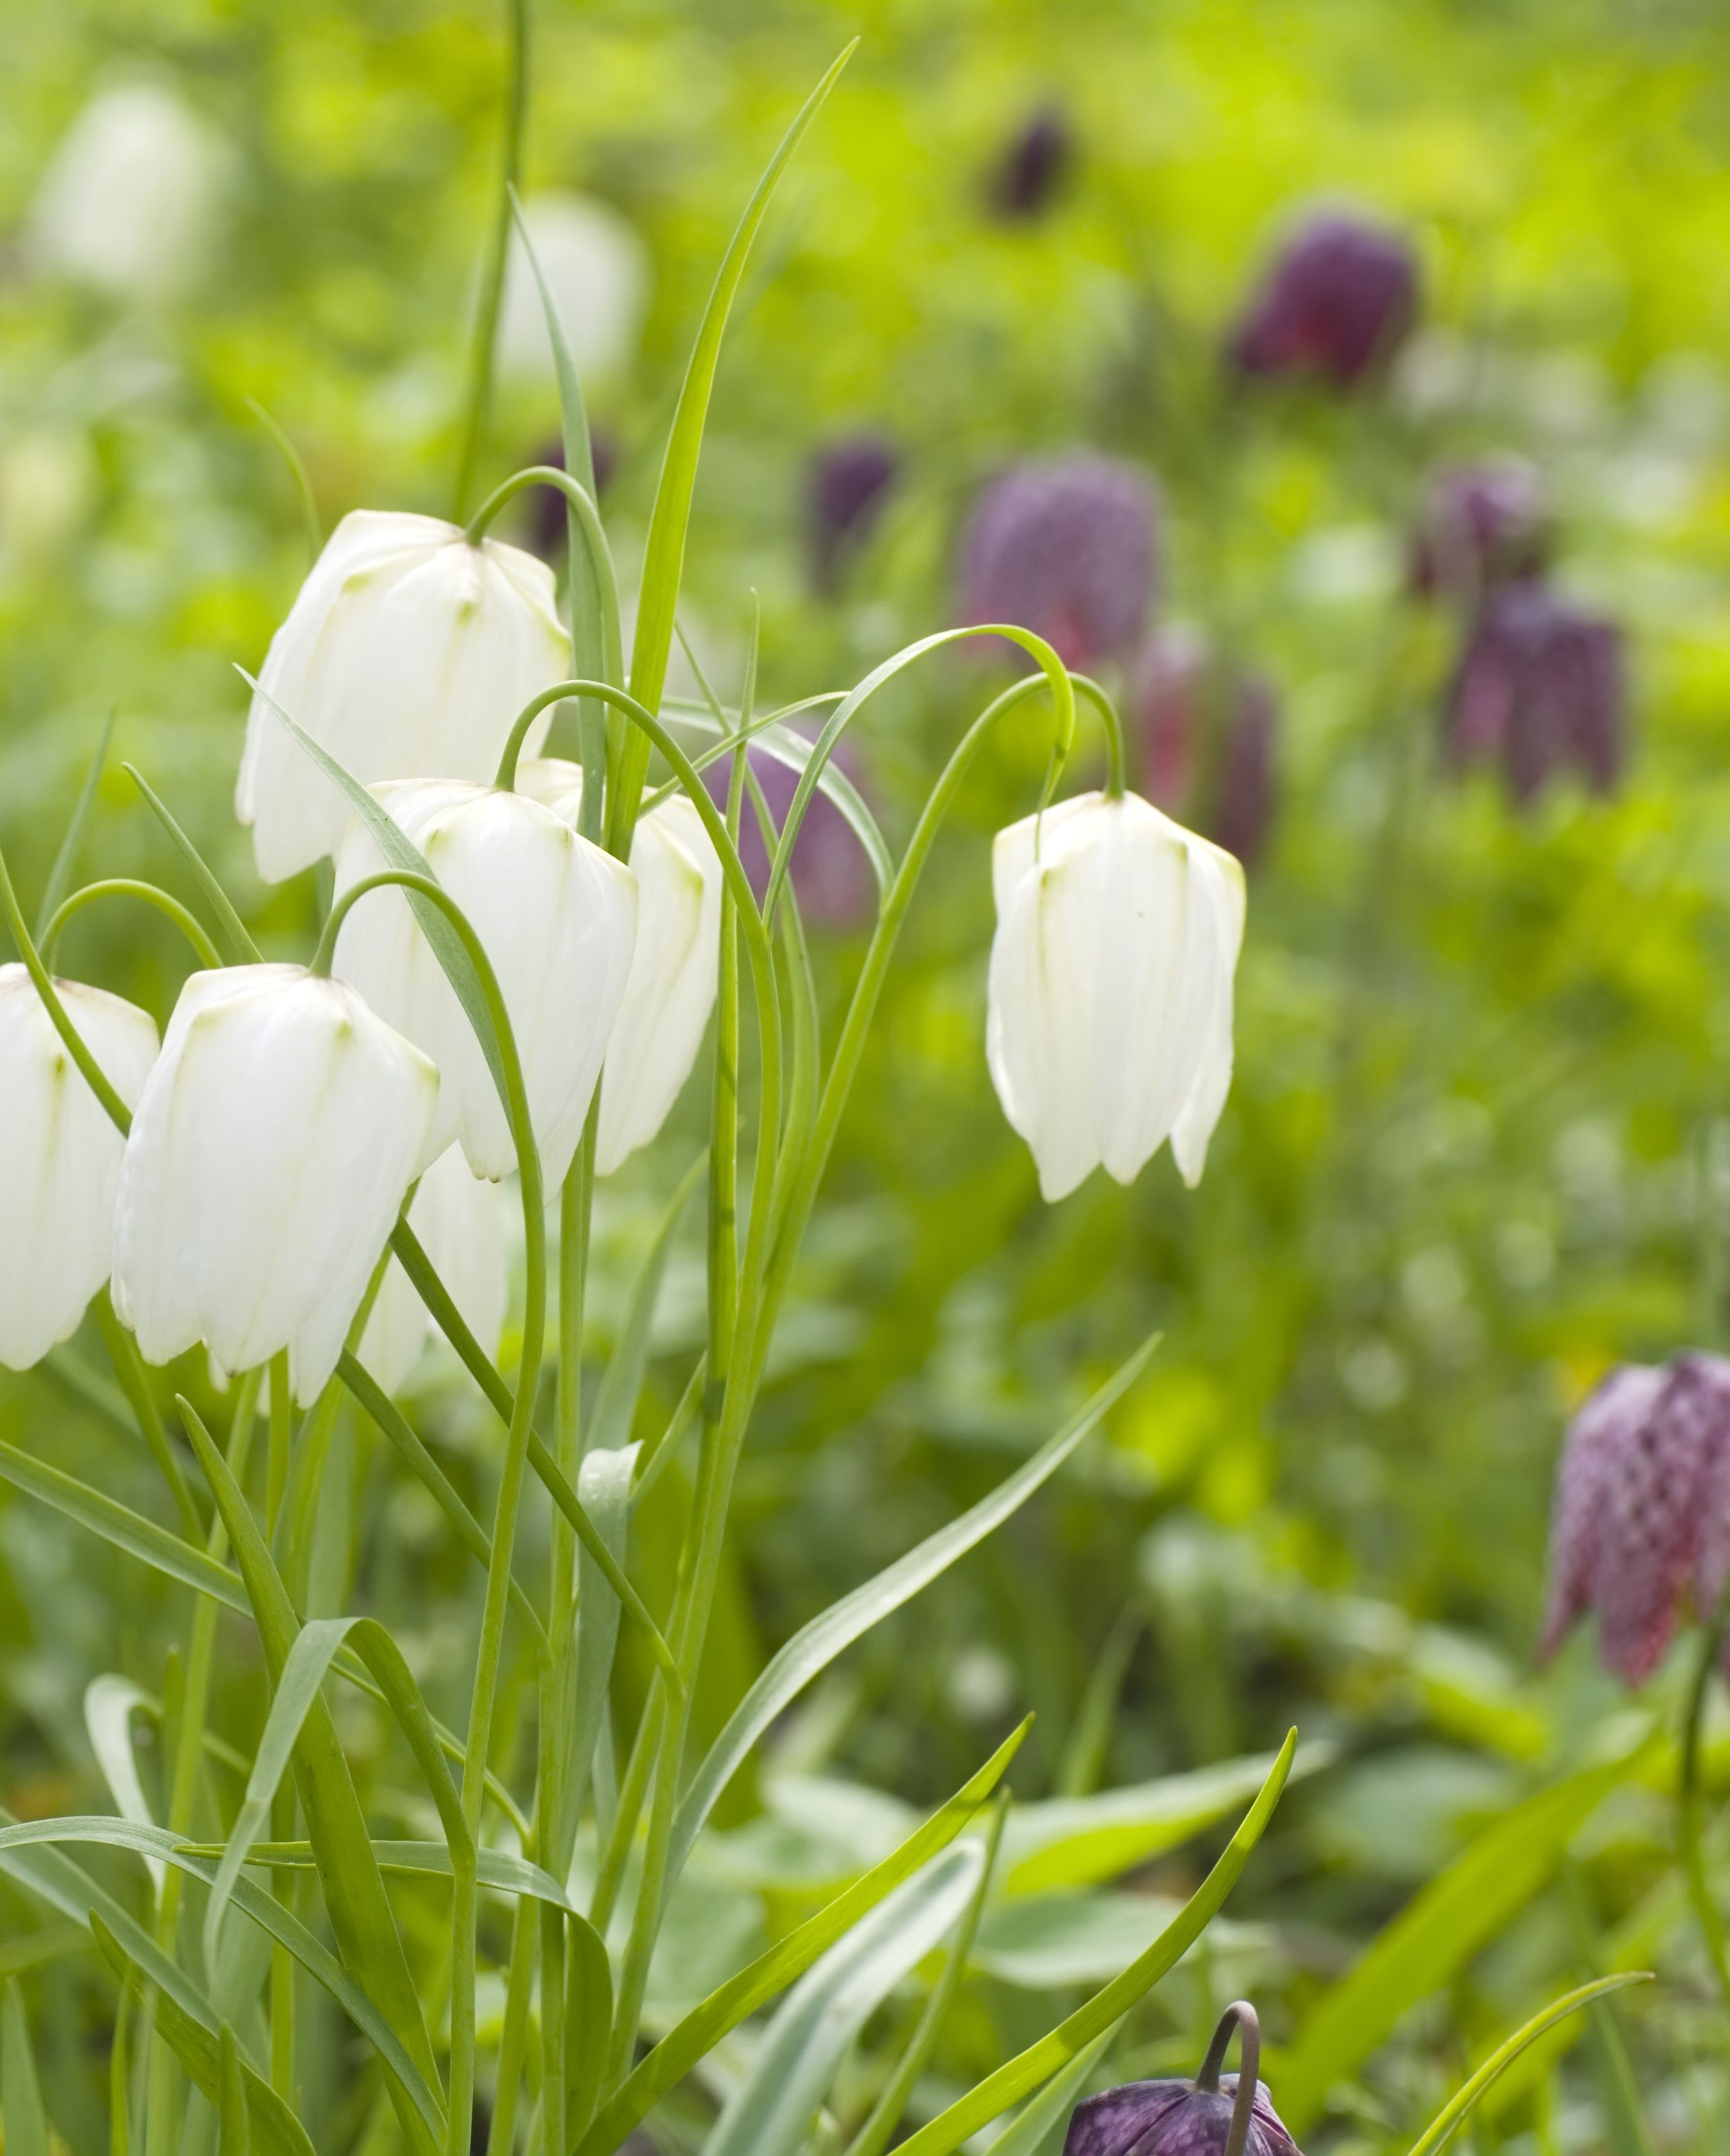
point(1541, 684)
point(1033, 168)
point(1210, 2116)
point(1640, 1531)
point(1482, 524)
point(846, 485)
point(1336, 302)
point(831, 875)
point(1229, 788)
point(1067, 547)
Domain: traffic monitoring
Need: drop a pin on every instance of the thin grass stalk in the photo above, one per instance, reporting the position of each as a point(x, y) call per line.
point(492, 281)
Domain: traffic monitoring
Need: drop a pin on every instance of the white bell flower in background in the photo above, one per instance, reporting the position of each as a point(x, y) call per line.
point(274, 1143)
point(558, 917)
point(1109, 1008)
point(671, 991)
point(60, 1156)
point(461, 1222)
point(597, 269)
point(132, 202)
point(407, 653)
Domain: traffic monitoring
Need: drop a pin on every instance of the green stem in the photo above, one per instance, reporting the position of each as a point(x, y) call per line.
point(281, 1439)
point(184, 919)
point(119, 1114)
point(134, 1382)
point(492, 283)
point(1689, 1799)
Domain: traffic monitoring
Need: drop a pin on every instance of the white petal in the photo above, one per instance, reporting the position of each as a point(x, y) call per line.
point(461, 1222)
point(59, 1157)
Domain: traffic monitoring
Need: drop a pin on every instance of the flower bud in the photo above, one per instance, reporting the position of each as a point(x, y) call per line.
point(831, 875)
point(597, 269)
point(1210, 737)
point(459, 1220)
point(1482, 525)
point(1215, 2115)
point(1067, 548)
point(847, 484)
point(557, 916)
point(276, 1138)
point(60, 1156)
point(1336, 301)
point(670, 990)
point(1540, 686)
point(1033, 168)
point(408, 653)
point(132, 202)
point(1109, 1024)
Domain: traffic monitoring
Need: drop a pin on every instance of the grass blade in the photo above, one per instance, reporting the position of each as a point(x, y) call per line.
point(616, 1402)
point(236, 2130)
point(20, 2090)
point(59, 876)
point(231, 930)
point(108, 1704)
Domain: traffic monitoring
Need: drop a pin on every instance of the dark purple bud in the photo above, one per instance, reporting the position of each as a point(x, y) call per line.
point(1214, 2115)
point(831, 875)
point(546, 504)
point(1033, 168)
point(847, 485)
point(1208, 741)
point(1067, 547)
point(1541, 684)
point(1336, 302)
point(1482, 524)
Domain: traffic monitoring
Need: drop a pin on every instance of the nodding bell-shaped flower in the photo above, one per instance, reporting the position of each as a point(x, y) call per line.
point(461, 1221)
point(1641, 1527)
point(557, 916)
point(407, 653)
point(1541, 684)
point(275, 1140)
point(60, 1156)
point(1482, 524)
point(1215, 2115)
point(1108, 1017)
point(671, 988)
point(1336, 301)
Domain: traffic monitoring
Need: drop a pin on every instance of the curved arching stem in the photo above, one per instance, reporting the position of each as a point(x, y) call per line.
point(1112, 726)
point(1240, 2016)
point(184, 919)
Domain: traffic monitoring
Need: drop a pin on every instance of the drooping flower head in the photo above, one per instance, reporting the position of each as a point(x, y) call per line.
point(1210, 741)
point(1482, 524)
point(1033, 166)
point(1067, 547)
point(1541, 687)
point(1334, 303)
point(1641, 1531)
point(1214, 2114)
point(846, 486)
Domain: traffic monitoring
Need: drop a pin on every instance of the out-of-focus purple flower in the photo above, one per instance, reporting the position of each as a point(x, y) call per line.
point(846, 486)
point(1541, 684)
point(1068, 548)
point(1033, 166)
point(1640, 1531)
point(1209, 738)
point(1183, 2118)
point(1482, 525)
point(1336, 301)
point(546, 504)
point(831, 875)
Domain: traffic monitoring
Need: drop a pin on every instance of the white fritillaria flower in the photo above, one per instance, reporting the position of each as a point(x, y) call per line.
point(408, 653)
point(671, 988)
point(461, 1221)
point(596, 268)
point(132, 200)
point(1109, 1027)
point(275, 1140)
point(60, 1156)
point(558, 917)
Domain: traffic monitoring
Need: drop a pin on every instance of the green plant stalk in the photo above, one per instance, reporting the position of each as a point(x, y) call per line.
point(492, 283)
point(1689, 1804)
point(184, 919)
point(134, 1382)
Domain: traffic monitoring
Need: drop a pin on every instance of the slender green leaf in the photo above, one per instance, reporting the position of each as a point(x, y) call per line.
point(1036, 2064)
point(588, 2021)
point(804, 2044)
point(663, 556)
point(20, 2090)
point(810, 1651)
point(231, 930)
point(1438, 1931)
point(302, 483)
point(496, 1869)
point(232, 2107)
point(1454, 2114)
point(703, 2028)
point(59, 876)
point(616, 1402)
point(604, 1483)
point(110, 1702)
point(1043, 2119)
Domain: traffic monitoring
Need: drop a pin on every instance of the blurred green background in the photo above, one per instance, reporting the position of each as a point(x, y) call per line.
point(1473, 1154)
